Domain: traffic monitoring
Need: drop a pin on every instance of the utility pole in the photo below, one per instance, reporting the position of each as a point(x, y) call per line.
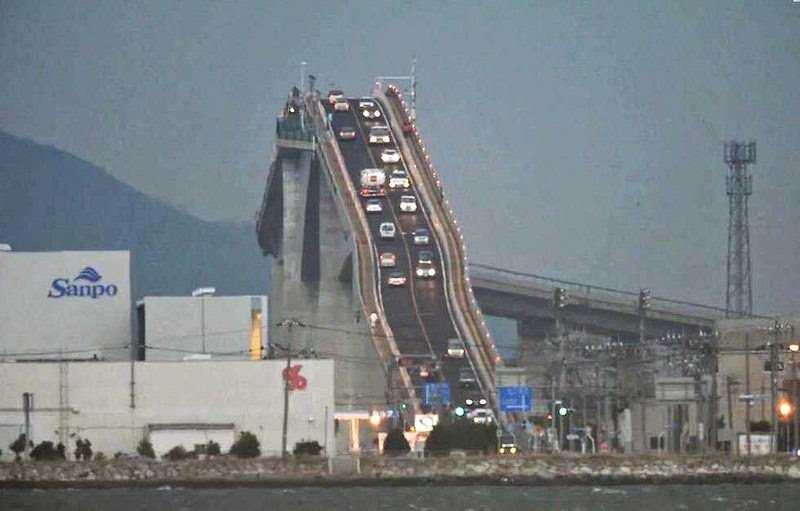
point(289, 324)
point(728, 384)
point(560, 299)
point(27, 406)
point(748, 401)
point(794, 347)
point(713, 433)
point(773, 386)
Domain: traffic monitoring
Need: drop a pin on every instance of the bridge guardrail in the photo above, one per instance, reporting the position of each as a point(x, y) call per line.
point(363, 246)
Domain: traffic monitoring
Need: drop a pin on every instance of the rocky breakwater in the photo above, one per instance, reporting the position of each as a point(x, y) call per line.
point(385, 470)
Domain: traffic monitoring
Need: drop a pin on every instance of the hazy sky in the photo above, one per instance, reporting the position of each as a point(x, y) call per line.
point(581, 140)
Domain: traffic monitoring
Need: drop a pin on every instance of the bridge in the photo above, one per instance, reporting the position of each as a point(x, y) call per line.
point(332, 295)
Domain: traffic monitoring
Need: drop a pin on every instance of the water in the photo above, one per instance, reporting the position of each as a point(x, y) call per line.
point(722, 497)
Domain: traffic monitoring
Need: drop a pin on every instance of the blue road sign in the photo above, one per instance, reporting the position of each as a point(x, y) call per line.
point(515, 399)
point(436, 393)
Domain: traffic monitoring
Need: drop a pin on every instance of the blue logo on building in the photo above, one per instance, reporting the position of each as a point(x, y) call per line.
point(61, 288)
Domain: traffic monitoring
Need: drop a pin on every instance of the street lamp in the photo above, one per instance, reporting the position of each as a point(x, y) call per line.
point(794, 347)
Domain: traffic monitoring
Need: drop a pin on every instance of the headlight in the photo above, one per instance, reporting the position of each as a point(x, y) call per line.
point(502, 450)
point(377, 113)
point(419, 272)
point(432, 272)
point(513, 450)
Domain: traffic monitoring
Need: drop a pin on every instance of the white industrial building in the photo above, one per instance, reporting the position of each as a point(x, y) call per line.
point(117, 404)
point(205, 325)
point(70, 304)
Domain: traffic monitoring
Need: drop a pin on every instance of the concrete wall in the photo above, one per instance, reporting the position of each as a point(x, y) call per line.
point(39, 320)
point(176, 327)
point(93, 400)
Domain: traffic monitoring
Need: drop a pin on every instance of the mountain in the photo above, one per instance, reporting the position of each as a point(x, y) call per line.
point(53, 200)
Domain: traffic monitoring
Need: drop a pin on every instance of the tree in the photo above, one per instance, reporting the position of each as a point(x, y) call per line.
point(145, 448)
point(18, 446)
point(83, 449)
point(177, 453)
point(438, 442)
point(62, 451)
point(213, 449)
point(396, 443)
point(45, 451)
point(246, 446)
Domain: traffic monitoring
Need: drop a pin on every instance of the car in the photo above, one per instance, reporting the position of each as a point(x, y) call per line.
point(425, 257)
point(408, 204)
point(421, 237)
point(374, 206)
point(366, 103)
point(481, 416)
point(387, 230)
point(408, 128)
point(466, 378)
point(455, 348)
point(334, 95)
point(390, 156)
point(426, 271)
point(379, 135)
point(399, 179)
point(347, 133)
point(341, 105)
point(507, 444)
point(387, 260)
point(370, 112)
point(396, 279)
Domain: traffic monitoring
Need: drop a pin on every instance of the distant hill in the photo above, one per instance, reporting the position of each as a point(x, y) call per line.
point(52, 200)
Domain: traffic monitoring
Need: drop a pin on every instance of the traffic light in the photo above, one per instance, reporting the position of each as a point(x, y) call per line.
point(785, 408)
point(560, 297)
point(644, 299)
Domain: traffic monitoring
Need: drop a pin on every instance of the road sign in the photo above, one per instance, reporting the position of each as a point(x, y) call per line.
point(436, 393)
point(515, 399)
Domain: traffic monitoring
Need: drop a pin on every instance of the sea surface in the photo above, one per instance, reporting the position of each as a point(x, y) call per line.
point(722, 497)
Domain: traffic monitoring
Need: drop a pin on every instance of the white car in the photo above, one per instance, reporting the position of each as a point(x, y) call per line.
point(379, 135)
point(387, 230)
point(366, 103)
point(341, 105)
point(335, 95)
point(426, 271)
point(369, 110)
point(408, 204)
point(390, 156)
point(387, 260)
point(481, 416)
point(421, 237)
point(399, 179)
point(455, 349)
point(396, 279)
point(374, 206)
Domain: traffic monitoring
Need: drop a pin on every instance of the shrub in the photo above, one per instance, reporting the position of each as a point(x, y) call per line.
point(83, 450)
point(396, 443)
point(45, 451)
point(145, 448)
point(307, 448)
point(438, 442)
point(177, 453)
point(100, 456)
point(246, 446)
point(18, 446)
point(213, 449)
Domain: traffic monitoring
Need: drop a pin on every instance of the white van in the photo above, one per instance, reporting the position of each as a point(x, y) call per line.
point(379, 135)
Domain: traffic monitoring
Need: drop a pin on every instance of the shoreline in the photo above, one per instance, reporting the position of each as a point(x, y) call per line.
point(400, 472)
